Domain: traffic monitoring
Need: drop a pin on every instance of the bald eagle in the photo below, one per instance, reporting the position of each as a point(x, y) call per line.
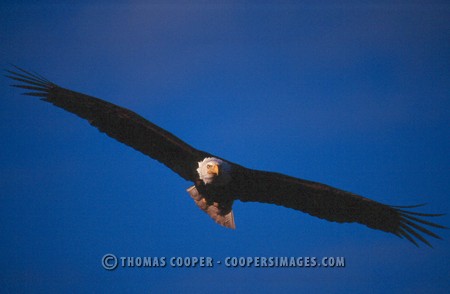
point(217, 182)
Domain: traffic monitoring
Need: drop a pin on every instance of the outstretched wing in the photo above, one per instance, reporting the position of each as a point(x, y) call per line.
point(332, 204)
point(117, 122)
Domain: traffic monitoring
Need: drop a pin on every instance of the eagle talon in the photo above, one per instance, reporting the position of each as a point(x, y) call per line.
point(220, 213)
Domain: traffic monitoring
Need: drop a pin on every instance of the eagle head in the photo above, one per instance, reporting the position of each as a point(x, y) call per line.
point(214, 171)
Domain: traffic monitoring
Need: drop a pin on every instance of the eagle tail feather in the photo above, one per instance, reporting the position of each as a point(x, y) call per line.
point(221, 213)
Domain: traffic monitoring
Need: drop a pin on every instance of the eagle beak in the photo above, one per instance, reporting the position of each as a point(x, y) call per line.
point(214, 170)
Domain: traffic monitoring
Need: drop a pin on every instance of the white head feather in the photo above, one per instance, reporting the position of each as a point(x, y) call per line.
point(224, 176)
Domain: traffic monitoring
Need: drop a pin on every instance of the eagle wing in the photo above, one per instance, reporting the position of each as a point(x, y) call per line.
point(248, 185)
point(119, 123)
point(332, 204)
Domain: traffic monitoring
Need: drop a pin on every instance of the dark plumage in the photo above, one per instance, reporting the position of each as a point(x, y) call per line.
point(244, 184)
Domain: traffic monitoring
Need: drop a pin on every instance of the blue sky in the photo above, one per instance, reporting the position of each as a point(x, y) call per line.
point(355, 95)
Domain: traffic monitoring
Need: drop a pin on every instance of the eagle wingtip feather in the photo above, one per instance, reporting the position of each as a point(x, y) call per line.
point(411, 226)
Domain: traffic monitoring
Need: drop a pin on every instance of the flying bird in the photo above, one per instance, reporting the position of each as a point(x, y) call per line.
point(217, 182)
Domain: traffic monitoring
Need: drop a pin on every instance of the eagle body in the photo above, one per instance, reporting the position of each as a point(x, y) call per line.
point(216, 182)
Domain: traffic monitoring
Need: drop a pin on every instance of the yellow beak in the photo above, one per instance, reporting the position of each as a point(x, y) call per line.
point(214, 170)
